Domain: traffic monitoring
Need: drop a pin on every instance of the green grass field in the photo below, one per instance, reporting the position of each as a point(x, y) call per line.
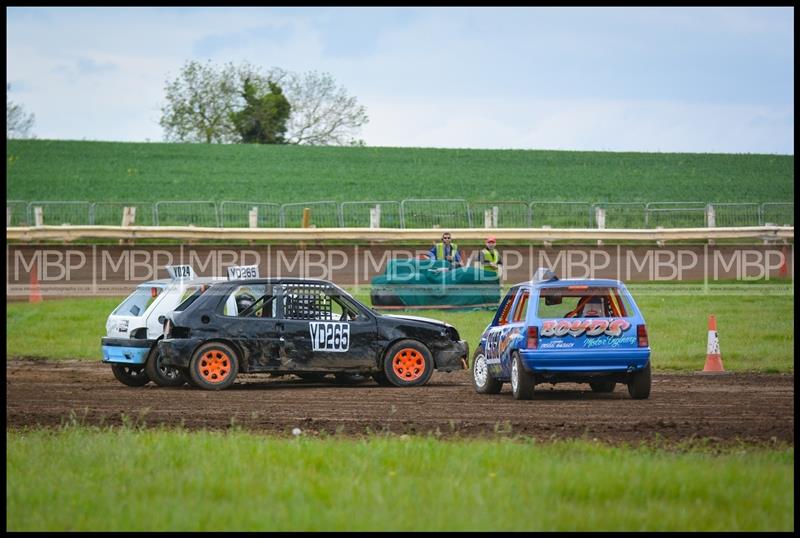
point(143, 172)
point(756, 330)
point(80, 479)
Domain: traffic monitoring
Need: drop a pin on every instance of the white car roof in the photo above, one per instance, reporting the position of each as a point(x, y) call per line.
point(198, 280)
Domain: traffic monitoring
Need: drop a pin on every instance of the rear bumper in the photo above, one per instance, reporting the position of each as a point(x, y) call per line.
point(125, 350)
point(451, 358)
point(177, 352)
point(612, 360)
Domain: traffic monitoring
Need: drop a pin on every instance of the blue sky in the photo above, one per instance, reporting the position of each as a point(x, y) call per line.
point(599, 79)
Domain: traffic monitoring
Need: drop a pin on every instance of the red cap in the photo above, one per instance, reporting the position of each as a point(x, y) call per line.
point(491, 238)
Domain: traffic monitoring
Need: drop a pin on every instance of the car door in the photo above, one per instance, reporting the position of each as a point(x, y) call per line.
point(249, 316)
point(325, 331)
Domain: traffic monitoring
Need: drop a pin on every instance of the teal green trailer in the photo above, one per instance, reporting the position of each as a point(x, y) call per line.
point(411, 283)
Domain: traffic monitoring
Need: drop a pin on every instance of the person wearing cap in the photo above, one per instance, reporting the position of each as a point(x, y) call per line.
point(445, 250)
point(489, 257)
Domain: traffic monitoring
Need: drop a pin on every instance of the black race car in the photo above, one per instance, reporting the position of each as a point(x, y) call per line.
point(304, 327)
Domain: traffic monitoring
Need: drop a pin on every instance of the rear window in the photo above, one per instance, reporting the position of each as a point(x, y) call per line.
point(582, 302)
point(190, 295)
point(138, 301)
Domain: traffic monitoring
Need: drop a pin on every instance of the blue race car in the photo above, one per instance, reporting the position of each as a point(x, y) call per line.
point(554, 331)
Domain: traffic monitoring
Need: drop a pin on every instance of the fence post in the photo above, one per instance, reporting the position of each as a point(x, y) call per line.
point(487, 218)
point(711, 219)
point(38, 216)
point(711, 216)
point(306, 224)
point(8, 216)
point(128, 219)
point(253, 217)
point(600, 218)
point(375, 216)
point(495, 214)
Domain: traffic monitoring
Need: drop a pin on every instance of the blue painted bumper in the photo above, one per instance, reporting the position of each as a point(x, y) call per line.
point(610, 360)
point(126, 350)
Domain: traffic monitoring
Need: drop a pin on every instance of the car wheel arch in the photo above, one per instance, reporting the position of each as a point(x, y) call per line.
point(388, 346)
point(231, 344)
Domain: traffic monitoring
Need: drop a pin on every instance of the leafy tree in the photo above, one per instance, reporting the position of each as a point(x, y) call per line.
point(263, 118)
point(242, 104)
point(18, 122)
point(199, 105)
point(322, 112)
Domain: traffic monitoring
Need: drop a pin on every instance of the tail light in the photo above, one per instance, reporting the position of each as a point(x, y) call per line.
point(533, 337)
point(641, 333)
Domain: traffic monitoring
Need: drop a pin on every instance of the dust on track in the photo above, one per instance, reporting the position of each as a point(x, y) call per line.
point(724, 408)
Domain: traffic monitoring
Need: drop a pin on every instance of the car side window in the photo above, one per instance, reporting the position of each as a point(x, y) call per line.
point(505, 307)
point(521, 309)
point(253, 301)
point(316, 302)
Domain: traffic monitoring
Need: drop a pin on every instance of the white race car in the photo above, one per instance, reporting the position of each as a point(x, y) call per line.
point(136, 325)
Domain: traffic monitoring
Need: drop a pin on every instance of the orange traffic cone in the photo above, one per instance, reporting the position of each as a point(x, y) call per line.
point(713, 355)
point(35, 294)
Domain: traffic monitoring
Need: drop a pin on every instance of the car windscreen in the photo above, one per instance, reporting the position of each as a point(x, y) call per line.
point(138, 301)
point(581, 302)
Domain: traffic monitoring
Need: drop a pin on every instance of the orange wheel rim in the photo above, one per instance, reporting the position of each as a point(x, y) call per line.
point(408, 364)
point(215, 366)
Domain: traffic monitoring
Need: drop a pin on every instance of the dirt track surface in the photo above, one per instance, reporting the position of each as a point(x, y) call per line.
point(721, 408)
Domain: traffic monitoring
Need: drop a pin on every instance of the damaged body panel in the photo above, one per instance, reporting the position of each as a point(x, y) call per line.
point(285, 326)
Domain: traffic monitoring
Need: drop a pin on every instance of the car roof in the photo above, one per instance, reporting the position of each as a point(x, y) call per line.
point(198, 280)
point(287, 280)
point(572, 282)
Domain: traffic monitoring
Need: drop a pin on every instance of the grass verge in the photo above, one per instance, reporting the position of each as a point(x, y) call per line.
point(80, 478)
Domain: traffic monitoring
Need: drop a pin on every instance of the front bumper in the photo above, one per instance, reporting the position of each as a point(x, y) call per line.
point(612, 360)
point(177, 352)
point(125, 350)
point(454, 357)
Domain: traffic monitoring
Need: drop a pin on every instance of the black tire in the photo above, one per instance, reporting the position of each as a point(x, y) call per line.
point(603, 386)
point(344, 378)
point(129, 374)
point(408, 363)
point(214, 366)
point(639, 384)
point(522, 381)
point(381, 379)
point(482, 380)
point(163, 376)
point(188, 378)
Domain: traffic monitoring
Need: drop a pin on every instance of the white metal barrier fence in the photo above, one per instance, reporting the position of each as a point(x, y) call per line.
point(408, 213)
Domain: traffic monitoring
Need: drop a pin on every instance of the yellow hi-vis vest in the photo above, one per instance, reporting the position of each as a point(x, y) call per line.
point(491, 256)
point(440, 250)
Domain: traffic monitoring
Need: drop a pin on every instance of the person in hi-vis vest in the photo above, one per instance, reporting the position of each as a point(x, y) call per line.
point(490, 257)
point(445, 251)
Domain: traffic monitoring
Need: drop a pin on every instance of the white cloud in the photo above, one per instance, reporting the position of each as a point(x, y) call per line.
point(589, 125)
